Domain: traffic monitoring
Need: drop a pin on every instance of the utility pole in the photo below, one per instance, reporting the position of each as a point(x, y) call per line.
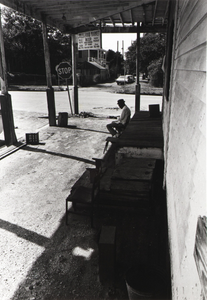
point(137, 86)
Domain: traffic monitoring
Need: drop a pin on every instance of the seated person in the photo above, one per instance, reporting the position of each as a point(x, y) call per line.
point(117, 126)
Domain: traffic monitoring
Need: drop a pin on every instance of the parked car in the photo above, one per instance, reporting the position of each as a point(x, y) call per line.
point(125, 79)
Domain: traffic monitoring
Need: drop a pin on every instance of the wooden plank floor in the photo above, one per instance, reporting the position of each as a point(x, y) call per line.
point(130, 180)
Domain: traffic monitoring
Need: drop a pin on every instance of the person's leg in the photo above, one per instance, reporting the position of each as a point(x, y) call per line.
point(115, 128)
point(111, 127)
point(120, 127)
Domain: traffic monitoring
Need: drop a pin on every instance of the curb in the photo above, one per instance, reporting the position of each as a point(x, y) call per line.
point(11, 149)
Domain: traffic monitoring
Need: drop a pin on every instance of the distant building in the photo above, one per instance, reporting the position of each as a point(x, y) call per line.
point(92, 67)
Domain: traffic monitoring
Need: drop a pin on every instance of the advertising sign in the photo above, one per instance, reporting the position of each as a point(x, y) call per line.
point(89, 40)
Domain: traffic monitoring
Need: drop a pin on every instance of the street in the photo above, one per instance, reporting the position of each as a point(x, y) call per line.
point(91, 99)
point(98, 100)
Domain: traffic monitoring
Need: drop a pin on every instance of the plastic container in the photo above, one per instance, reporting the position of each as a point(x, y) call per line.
point(32, 138)
point(63, 119)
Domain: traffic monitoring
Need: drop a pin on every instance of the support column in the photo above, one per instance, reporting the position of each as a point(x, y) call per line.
point(75, 86)
point(50, 90)
point(137, 86)
point(5, 98)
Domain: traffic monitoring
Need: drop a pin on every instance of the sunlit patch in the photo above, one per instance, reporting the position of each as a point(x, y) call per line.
point(77, 251)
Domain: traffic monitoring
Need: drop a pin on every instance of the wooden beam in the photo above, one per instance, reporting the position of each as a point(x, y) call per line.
point(166, 12)
point(5, 97)
point(144, 13)
point(112, 21)
point(47, 55)
point(132, 18)
point(133, 29)
point(121, 18)
point(200, 252)
point(50, 91)
point(3, 67)
point(75, 87)
point(137, 86)
point(154, 13)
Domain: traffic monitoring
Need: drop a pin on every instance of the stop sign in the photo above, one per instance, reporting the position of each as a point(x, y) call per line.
point(64, 70)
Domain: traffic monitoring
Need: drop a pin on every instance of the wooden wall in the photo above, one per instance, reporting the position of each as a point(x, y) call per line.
point(184, 125)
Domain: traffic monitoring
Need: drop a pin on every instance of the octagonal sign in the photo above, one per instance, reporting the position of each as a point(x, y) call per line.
point(64, 70)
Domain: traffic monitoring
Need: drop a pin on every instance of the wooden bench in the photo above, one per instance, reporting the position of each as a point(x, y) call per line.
point(128, 185)
point(82, 196)
point(113, 139)
point(85, 191)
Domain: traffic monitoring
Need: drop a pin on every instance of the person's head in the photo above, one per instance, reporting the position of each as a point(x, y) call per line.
point(121, 103)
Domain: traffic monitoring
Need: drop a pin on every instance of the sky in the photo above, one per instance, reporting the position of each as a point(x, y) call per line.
point(109, 41)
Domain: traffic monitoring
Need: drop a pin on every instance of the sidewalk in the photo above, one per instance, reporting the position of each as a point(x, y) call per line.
point(24, 122)
point(41, 257)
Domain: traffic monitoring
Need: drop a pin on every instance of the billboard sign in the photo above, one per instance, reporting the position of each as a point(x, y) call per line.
point(90, 40)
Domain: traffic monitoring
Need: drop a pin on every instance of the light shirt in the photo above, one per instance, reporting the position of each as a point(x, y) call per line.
point(125, 115)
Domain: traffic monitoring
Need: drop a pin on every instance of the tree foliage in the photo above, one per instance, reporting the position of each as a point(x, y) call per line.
point(115, 61)
point(152, 51)
point(24, 44)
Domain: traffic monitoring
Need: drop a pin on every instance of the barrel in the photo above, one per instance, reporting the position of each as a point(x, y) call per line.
point(63, 119)
point(144, 282)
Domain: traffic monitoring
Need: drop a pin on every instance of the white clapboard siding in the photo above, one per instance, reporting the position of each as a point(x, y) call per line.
point(186, 144)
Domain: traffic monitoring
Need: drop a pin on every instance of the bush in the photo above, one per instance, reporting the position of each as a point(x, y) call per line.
point(28, 79)
point(155, 73)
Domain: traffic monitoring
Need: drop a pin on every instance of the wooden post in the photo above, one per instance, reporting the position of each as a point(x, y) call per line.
point(200, 251)
point(71, 109)
point(50, 90)
point(5, 98)
point(75, 87)
point(137, 86)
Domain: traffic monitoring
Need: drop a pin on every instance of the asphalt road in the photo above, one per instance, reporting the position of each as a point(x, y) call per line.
point(92, 99)
point(99, 100)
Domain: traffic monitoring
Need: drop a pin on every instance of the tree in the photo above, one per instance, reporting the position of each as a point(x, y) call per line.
point(115, 61)
point(24, 44)
point(131, 58)
point(152, 51)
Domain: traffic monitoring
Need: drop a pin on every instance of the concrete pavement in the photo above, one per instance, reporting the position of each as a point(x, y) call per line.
point(40, 257)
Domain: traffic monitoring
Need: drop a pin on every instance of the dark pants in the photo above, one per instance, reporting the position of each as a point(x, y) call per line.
point(114, 128)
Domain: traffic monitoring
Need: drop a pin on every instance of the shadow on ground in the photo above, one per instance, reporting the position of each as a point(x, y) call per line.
point(68, 269)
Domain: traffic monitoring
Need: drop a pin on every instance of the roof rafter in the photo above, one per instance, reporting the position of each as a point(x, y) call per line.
point(121, 18)
point(144, 13)
point(154, 13)
point(81, 14)
point(166, 11)
point(112, 21)
point(132, 18)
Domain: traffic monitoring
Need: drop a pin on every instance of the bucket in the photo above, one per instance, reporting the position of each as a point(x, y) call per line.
point(63, 119)
point(144, 282)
